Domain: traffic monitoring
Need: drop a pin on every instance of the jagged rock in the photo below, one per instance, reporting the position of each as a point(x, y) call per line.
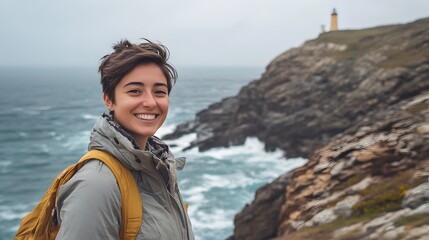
point(323, 217)
point(344, 207)
point(422, 209)
point(380, 224)
point(259, 220)
point(417, 196)
point(361, 185)
point(333, 180)
point(388, 232)
point(418, 233)
point(423, 129)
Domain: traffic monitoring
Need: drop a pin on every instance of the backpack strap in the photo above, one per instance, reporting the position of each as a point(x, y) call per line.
point(131, 213)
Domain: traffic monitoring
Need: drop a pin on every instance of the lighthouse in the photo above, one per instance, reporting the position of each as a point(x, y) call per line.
point(334, 21)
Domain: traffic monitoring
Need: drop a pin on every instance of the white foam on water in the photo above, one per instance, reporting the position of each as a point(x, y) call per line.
point(23, 134)
point(79, 141)
point(5, 163)
point(10, 215)
point(214, 219)
point(165, 129)
point(251, 147)
point(223, 172)
point(32, 112)
point(90, 117)
point(230, 181)
point(44, 148)
point(4, 166)
point(14, 212)
point(52, 133)
point(43, 108)
point(177, 145)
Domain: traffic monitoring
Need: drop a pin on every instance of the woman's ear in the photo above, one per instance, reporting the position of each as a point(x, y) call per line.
point(108, 102)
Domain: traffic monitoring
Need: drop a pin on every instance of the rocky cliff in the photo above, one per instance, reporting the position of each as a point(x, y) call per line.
point(368, 176)
point(330, 85)
point(372, 184)
point(356, 103)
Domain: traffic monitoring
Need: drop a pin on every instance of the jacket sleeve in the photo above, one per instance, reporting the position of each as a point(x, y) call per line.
point(89, 204)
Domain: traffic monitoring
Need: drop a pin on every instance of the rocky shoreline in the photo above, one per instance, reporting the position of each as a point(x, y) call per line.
point(369, 185)
point(328, 86)
point(356, 103)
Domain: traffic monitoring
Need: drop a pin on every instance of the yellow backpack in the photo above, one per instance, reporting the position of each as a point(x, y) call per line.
point(38, 224)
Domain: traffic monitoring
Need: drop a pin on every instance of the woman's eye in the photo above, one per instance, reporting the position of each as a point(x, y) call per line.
point(161, 92)
point(134, 91)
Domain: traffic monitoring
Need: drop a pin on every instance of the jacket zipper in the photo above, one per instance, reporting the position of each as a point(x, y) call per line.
point(171, 203)
point(185, 213)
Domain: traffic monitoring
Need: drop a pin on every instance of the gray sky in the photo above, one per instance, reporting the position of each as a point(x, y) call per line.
point(197, 32)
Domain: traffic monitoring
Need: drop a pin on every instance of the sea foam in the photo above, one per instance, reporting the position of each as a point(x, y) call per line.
point(217, 183)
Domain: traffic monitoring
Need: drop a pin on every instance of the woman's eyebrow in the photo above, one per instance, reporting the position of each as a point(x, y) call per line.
point(134, 83)
point(142, 84)
point(160, 84)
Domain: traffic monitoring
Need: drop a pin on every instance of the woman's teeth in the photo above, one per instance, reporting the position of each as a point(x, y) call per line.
point(146, 116)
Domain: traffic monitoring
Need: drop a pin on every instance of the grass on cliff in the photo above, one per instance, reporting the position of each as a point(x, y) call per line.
point(349, 182)
point(378, 198)
point(358, 41)
point(364, 41)
point(413, 220)
point(386, 195)
point(325, 231)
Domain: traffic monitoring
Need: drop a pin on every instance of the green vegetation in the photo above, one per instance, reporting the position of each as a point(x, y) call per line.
point(401, 58)
point(349, 182)
point(364, 41)
point(352, 37)
point(325, 231)
point(413, 220)
point(378, 198)
point(358, 41)
point(387, 195)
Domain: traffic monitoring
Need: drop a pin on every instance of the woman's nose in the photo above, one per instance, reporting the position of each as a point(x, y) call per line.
point(148, 100)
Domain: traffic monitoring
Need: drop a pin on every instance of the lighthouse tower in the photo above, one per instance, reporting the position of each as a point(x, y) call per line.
point(334, 21)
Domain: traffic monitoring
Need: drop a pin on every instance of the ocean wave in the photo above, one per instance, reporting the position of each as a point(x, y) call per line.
point(221, 175)
point(77, 141)
point(14, 212)
point(5, 163)
point(177, 145)
point(90, 117)
point(23, 134)
point(165, 129)
point(214, 219)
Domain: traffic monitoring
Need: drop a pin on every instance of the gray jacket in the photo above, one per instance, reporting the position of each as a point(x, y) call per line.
point(89, 204)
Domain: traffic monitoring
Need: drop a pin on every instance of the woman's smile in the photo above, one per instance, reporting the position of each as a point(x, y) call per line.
point(146, 116)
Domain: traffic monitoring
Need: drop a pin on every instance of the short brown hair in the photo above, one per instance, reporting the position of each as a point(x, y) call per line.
point(126, 56)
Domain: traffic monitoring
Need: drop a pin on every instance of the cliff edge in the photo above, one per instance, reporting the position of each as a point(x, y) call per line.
point(330, 85)
point(370, 180)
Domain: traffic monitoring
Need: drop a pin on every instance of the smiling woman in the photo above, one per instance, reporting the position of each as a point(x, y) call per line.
point(141, 102)
point(137, 81)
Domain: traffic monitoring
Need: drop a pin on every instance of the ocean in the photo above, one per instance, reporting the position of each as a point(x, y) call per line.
point(46, 115)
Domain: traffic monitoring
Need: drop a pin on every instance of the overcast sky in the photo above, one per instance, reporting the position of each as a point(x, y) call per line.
point(197, 32)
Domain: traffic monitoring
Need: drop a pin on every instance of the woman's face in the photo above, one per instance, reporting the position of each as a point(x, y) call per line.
point(141, 102)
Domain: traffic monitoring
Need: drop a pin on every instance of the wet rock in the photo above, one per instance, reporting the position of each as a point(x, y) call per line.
point(417, 196)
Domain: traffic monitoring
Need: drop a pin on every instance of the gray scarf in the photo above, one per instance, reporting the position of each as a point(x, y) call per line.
point(109, 136)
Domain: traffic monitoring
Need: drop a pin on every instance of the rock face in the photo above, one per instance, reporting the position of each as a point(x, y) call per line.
point(356, 103)
point(331, 85)
point(372, 184)
point(260, 219)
